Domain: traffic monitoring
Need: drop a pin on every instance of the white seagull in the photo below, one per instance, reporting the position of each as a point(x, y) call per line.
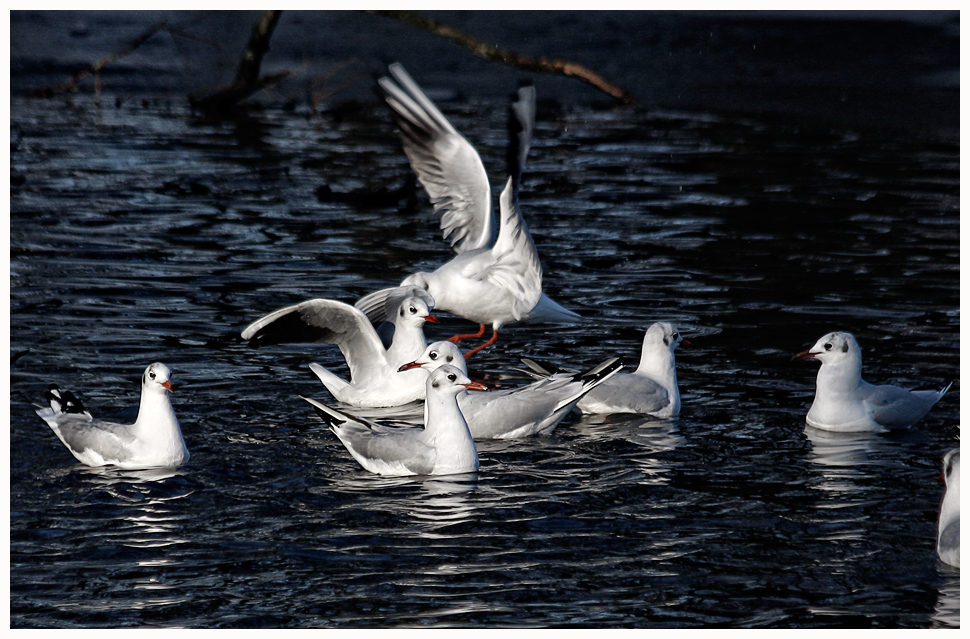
point(845, 403)
point(406, 309)
point(495, 278)
point(517, 412)
point(153, 441)
point(374, 380)
point(443, 447)
point(948, 528)
point(649, 390)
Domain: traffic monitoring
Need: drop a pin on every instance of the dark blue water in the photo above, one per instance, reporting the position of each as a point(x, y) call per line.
point(142, 233)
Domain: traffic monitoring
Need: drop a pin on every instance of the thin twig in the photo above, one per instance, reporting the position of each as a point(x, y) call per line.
point(498, 54)
point(95, 68)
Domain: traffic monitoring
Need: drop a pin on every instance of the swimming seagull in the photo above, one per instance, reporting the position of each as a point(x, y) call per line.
point(948, 527)
point(844, 402)
point(374, 380)
point(649, 390)
point(518, 412)
point(443, 447)
point(406, 308)
point(495, 278)
point(154, 440)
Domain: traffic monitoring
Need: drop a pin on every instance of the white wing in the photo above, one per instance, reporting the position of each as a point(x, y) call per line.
point(447, 165)
point(329, 321)
point(516, 263)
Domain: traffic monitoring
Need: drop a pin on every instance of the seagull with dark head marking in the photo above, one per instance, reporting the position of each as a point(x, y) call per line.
point(153, 441)
point(442, 447)
point(844, 402)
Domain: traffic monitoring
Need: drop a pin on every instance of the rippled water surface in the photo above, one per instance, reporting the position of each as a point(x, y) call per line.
point(140, 233)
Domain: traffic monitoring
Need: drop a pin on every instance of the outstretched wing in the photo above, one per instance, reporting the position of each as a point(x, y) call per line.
point(515, 264)
point(325, 321)
point(447, 165)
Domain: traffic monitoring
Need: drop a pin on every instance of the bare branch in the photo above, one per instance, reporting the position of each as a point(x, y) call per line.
point(498, 54)
point(247, 77)
point(96, 68)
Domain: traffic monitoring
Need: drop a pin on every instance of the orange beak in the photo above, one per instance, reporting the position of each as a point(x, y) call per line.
point(409, 366)
point(475, 386)
point(804, 355)
point(431, 318)
point(167, 386)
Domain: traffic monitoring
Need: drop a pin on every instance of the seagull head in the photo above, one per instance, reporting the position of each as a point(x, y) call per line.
point(157, 378)
point(414, 310)
point(436, 355)
point(448, 380)
point(832, 348)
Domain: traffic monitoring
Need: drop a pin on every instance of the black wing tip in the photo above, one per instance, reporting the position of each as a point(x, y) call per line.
point(601, 370)
point(63, 401)
point(542, 369)
point(328, 418)
point(941, 388)
point(289, 329)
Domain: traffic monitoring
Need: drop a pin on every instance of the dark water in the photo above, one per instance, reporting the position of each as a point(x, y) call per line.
point(141, 233)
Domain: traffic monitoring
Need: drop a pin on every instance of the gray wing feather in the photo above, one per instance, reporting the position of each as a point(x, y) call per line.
point(631, 392)
point(447, 165)
point(370, 440)
point(897, 407)
point(516, 266)
point(80, 433)
point(336, 323)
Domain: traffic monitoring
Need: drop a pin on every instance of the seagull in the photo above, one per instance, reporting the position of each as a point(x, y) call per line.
point(948, 529)
point(649, 390)
point(495, 278)
point(844, 402)
point(374, 380)
point(443, 447)
point(406, 308)
point(518, 412)
point(154, 440)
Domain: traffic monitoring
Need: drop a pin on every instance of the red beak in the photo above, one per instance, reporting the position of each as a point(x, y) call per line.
point(685, 342)
point(475, 386)
point(409, 366)
point(431, 318)
point(167, 386)
point(804, 355)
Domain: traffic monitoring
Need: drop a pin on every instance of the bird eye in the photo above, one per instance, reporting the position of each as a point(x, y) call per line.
point(152, 374)
point(452, 378)
point(433, 355)
point(411, 310)
point(828, 347)
point(676, 336)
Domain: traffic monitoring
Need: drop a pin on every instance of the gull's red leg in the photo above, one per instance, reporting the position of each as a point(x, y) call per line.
point(454, 339)
point(491, 341)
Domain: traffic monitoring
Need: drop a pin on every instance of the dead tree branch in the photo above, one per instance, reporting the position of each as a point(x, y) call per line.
point(498, 54)
point(95, 69)
point(247, 77)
